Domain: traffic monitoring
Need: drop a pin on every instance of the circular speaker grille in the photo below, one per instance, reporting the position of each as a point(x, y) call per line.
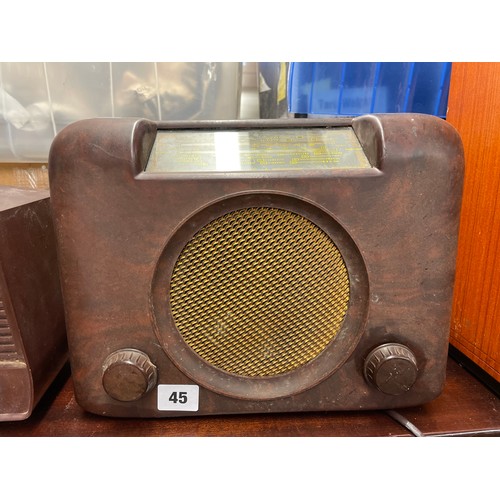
point(259, 292)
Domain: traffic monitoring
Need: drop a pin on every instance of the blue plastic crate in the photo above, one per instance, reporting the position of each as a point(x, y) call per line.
point(351, 89)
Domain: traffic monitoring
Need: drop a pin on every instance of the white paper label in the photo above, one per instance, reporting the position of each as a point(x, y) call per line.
point(178, 397)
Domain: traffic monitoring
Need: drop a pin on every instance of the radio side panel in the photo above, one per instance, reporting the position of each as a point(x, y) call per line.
point(33, 344)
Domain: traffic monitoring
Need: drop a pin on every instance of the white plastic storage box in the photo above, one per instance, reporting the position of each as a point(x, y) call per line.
point(38, 99)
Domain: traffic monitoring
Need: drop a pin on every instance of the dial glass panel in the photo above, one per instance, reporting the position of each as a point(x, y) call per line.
point(255, 150)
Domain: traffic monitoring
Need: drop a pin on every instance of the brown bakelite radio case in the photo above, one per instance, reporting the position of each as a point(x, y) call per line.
point(33, 345)
point(257, 266)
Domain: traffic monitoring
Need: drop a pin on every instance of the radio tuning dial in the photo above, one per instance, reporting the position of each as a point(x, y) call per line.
point(392, 368)
point(128, 374)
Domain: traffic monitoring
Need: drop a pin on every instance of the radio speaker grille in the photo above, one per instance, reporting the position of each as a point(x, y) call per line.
point(259, 292)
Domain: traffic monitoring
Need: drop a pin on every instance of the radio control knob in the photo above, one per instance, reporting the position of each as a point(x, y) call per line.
point(128, 374)
point(392, 368)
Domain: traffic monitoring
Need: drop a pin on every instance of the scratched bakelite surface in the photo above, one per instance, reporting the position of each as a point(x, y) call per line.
point(466, 407)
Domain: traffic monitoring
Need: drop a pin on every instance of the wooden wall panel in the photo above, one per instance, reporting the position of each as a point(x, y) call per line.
point(474, 110)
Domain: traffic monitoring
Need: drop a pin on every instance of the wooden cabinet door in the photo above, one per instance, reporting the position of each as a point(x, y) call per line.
point(474, 110)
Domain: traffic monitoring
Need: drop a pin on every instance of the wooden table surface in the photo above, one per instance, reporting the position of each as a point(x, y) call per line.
point(466, 407)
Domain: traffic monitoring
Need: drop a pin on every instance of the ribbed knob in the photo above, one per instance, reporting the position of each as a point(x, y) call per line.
point(128, 374)
point(392, 368)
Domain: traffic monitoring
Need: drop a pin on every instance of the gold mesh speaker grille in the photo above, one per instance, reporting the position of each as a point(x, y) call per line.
point(259, 292)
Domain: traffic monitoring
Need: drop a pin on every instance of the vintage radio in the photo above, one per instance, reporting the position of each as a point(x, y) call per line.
point(33, 345)
point(262, 266)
